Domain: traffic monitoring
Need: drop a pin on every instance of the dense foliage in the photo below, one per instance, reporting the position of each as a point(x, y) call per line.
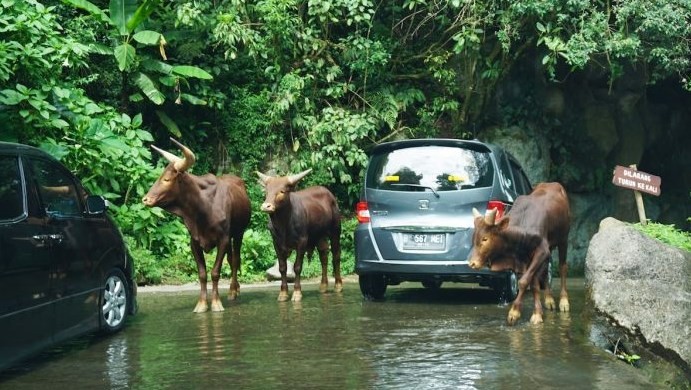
point(283, 85)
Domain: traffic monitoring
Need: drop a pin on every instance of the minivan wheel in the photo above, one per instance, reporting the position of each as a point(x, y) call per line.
point(372, 286)
point(114, 302)
point(506, 287)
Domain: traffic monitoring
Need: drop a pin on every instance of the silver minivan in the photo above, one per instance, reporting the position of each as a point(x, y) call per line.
point(415, 213)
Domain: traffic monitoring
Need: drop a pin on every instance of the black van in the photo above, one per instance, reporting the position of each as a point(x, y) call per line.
point(415, 212)
point(64, 267)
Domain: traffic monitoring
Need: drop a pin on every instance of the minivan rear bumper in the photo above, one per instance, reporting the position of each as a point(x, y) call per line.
point(369, 261)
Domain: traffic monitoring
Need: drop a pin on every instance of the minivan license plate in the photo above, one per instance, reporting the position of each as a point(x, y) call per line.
point(424, 241)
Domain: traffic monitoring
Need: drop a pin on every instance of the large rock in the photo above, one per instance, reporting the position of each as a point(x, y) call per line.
point(644, 286)
point(273, 273)
point(527, 145)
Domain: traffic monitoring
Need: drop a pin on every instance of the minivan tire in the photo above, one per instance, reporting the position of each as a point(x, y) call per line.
point(114, 302)
point(506, 287)
point(372, 286)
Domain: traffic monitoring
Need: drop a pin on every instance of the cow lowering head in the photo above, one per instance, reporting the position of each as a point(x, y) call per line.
point(278, 189)
point(488, 243)
point(165, 189)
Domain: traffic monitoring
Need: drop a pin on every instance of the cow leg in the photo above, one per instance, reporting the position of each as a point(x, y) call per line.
point(283, 269)
point(563, 267)
point(336, 260)
point(201, 306)
point(537, 260)
point(549, 298)
point(323, 249)
point(234, 262)
point(216, 304)
point(297, 267)
point(515, 310)
point(536, 318)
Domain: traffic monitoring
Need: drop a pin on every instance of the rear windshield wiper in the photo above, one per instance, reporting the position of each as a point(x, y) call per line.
point(416, 186)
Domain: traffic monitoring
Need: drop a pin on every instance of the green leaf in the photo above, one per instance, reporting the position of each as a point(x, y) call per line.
point(124, 54)
point(11, 97)
point(120, 13)
point(142, 13)
point(90, 8)
point(100, 49)
point(193, 99)
point(156, 66)
point(192, 71)
point(59, 123)
point(169, 124)
point(147, 37)
point(149, 89)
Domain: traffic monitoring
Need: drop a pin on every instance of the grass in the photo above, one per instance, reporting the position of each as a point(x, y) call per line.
point(667, 234)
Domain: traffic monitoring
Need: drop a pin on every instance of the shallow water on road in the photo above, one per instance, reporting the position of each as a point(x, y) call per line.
point(454, 338)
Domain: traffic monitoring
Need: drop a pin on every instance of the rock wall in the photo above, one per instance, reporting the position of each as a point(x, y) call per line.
point(644, 286)
point(575, 132)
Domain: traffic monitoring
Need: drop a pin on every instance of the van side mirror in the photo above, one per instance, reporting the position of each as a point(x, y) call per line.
point(95, 204)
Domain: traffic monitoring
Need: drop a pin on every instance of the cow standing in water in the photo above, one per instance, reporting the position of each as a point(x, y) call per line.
point(301, 221)
point(216, 212)
point(523, 241)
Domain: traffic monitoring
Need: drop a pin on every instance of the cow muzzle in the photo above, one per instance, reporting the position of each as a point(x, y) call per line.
point(268, 207)
point(149, 201)
point(475, 263)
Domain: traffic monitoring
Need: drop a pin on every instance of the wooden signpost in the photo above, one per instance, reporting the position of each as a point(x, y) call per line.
point(637, 181)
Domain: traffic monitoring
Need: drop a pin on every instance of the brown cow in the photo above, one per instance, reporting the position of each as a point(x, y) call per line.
point(523, 241)
point(216, 212)
point(301, 221)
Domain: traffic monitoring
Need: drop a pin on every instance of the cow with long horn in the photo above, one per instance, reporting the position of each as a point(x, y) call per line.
point(216, 212)
point(302, 221)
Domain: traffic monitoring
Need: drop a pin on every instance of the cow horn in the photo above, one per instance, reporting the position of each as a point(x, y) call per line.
point(185, 163)
point(476, 213)
point(167, 155)
point(292, 179)
point(264, 178)
point(490, 216)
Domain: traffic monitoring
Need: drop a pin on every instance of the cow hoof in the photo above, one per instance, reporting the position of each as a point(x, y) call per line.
point(513, 316)
point(549, 303)
point(536, 319)
point(297, 296)
point(564, 305)
point(217, 306)
point(283, 296)
point(338, 287)
point(201, 307)
point(323, 287)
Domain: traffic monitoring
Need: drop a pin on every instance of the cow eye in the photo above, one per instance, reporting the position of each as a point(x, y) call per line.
point(485, 239)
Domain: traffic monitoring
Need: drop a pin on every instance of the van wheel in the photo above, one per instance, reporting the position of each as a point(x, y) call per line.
point(506, 287)
point(114, 301)
point(372, 286)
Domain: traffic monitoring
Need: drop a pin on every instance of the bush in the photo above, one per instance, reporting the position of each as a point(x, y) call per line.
point(667, 234)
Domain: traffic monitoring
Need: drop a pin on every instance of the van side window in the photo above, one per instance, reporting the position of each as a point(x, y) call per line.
point(522, 182)
point(58, 192)
point(11, 191)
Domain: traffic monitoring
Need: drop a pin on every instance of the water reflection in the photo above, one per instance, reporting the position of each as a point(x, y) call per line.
point(117, 363)
point(455, 338)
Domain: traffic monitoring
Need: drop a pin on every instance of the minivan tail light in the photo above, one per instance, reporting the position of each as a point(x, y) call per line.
point(362, 212)
point(497, 204)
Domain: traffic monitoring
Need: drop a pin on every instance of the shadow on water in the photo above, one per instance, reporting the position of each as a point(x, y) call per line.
point(452, 338)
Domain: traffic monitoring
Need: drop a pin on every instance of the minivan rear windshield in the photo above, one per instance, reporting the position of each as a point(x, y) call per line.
point(439, 168)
